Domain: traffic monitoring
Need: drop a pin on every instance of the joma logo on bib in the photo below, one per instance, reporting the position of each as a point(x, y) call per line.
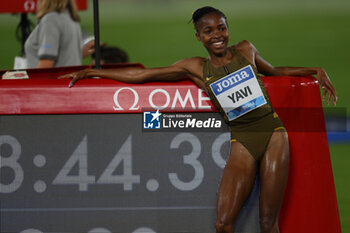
point(238, 93)
point(231, 80)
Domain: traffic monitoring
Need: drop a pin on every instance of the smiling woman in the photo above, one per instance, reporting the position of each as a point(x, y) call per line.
point(217, 43)
point(258, 138)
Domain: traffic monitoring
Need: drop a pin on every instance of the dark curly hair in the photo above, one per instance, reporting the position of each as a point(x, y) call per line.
point(200, 12)
point(112, 54)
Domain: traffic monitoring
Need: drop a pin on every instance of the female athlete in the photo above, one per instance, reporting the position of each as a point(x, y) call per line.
point(258, 138)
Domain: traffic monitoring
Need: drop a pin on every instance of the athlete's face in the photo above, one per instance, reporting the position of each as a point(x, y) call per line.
point(212, 31)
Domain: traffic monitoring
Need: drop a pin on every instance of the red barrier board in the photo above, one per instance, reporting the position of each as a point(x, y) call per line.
point(310, 203)
point(95, 95)
point(28, 6)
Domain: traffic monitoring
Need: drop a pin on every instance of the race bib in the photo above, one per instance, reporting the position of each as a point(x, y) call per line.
point(238, 93)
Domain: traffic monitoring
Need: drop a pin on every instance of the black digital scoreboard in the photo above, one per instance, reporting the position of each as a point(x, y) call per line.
point(104, 173)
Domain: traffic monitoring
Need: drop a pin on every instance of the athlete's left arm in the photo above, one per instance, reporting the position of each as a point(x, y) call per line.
point(267, 69)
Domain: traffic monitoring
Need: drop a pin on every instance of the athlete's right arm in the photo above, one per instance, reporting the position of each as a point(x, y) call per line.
point(187, 68)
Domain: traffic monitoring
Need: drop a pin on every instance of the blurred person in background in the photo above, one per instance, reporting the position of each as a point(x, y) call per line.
point(57, 39)
point(111, 55)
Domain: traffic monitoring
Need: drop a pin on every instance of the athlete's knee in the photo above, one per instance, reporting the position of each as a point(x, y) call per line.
point(224, 227)
point(268, 223)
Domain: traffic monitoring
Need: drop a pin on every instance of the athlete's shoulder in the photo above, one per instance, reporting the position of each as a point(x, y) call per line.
point(191, 66)
point(191, 60)
point(244, 45)
point(191, 63)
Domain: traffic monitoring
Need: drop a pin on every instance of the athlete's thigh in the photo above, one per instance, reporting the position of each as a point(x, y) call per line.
point(236, 182)
point(274, 174)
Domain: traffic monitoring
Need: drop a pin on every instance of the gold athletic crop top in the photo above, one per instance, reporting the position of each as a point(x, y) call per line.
point(237, 90)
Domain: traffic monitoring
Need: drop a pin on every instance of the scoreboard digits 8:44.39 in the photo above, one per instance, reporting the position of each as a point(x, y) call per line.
point(57, 170)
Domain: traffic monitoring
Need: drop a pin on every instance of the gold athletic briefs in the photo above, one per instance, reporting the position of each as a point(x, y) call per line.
point(254, 129)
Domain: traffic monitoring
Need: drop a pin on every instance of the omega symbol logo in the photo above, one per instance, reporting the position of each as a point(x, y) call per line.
point(116, 99)
point(29, 5)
